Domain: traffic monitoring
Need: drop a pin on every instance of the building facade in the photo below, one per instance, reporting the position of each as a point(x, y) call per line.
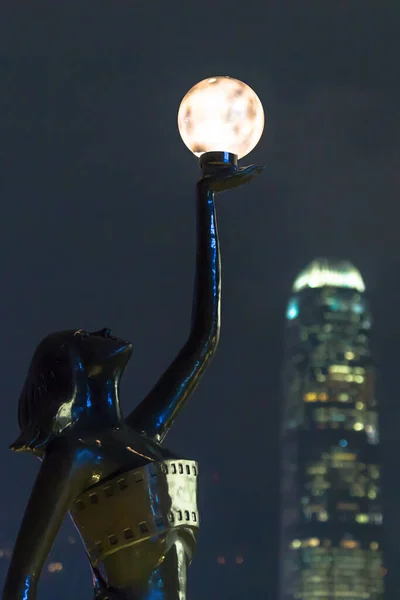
point(331, 510)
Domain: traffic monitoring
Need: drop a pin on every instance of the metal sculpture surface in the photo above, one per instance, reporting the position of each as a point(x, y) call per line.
point(132, 500)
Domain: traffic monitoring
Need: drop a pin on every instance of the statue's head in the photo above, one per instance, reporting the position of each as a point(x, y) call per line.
point(62, 372)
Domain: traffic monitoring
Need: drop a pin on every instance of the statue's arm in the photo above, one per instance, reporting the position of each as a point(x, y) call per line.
point(157, 412)
point(47, 506)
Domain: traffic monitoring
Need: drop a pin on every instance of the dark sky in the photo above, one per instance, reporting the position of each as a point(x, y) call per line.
point(97, 229)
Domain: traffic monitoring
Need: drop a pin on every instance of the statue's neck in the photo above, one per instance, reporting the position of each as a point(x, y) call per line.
point(101, 403)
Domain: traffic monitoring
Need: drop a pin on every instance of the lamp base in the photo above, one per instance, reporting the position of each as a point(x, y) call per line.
point(213, 162)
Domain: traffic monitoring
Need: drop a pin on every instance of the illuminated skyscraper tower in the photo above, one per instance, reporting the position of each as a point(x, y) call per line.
point(331, 490)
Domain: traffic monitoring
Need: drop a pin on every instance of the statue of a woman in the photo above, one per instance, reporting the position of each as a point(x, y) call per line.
point(132, 500)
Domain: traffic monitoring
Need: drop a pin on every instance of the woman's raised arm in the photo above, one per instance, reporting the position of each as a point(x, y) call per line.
point(155, 415)
point(158, 411)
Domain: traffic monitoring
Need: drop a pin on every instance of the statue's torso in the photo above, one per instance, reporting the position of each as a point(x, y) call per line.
point(139, 524)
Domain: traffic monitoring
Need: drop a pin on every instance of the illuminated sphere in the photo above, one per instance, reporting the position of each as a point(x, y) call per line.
point(221, 114)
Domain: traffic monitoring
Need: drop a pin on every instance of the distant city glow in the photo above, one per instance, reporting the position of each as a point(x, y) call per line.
point(221, 560)
point(323, 272)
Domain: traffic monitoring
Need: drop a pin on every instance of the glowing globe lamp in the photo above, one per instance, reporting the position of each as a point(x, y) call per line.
point(221, 115)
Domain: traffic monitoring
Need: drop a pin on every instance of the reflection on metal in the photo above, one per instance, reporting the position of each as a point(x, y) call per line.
point(164, 500)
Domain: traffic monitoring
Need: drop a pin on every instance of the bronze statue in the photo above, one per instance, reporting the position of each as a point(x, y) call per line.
point(132, 500)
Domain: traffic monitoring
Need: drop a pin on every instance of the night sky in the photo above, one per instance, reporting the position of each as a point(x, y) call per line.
point(97, 230)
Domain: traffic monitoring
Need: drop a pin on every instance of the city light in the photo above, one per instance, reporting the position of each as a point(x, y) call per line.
point(325, 452)
point(292, 310)
point(362, 518)
point(358, 426)
point(322, 273)
point(374, 545)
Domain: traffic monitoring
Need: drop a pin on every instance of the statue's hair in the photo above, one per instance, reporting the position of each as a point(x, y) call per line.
point(49, 384)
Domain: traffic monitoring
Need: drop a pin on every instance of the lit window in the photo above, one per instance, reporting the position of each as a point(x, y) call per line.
point(343, 443)
point(372, 494)
point(374, 545)
point(362, 518)
point(349, 355)
point(313, 542)
point(358, 378)
point(344, 456)
point(310, 397)
point(358, 426)
point(358, 490)
point(374, 471)
point(376, 518)
point(358, 308)
point(360, 405)
point(292, 310)
point(350, 544)
point(295, 544)
point(347, 506)
point(316, 469)
point(343, 397)
point(322, 516)
point(339, 369)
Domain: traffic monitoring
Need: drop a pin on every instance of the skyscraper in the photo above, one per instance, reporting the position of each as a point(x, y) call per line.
point(331, 543)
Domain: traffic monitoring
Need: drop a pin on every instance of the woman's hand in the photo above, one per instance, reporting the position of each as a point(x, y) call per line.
point(228, 178)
